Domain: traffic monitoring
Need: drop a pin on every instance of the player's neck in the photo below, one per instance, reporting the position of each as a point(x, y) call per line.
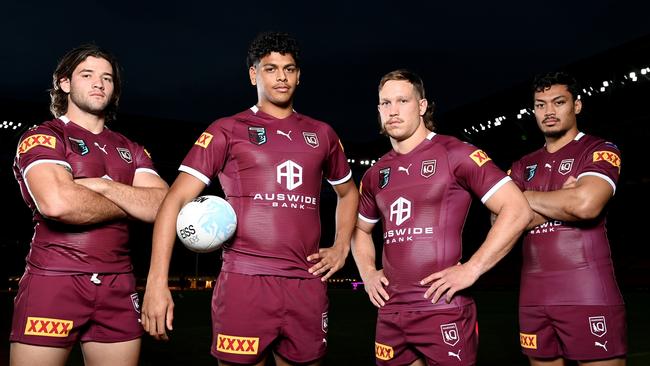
point(408, 144)
point(274, 110)
point(554, 144)
point(91, 122)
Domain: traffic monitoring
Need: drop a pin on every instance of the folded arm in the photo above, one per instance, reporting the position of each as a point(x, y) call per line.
point(140, 201)
point(59, 198)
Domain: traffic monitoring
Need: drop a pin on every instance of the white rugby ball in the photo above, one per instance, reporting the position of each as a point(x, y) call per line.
point(205, 223)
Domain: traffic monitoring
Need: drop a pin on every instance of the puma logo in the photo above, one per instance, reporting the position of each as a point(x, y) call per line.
point(457, 355)
point(102, 148)
point(604, 345)
point(287, 135)
point(402, 169)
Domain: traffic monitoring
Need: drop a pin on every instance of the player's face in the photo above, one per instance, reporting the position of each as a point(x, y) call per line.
point(555, 111)
point(400, 109)
point(90, 88)
point(276, 77)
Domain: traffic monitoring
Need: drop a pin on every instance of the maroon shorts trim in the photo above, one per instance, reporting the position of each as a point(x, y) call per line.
point(442, 337)
point(575, 332)
point(58, 311)
point(251, 314)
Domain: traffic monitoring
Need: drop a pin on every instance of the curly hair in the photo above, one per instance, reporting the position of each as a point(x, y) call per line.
point(267, 42)
point(64, 70)
point(545, 81)
point(418, 85)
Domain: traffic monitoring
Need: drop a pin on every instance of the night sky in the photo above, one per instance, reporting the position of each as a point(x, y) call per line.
point(186, 60)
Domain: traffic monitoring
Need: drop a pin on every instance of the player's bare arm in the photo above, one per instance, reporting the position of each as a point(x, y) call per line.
point(583, 199)
point(363, 251)
point(513, 216)
point(537, 220)
point(140, 201)
point(58, 197)
point(158, 306)
point(330, 260)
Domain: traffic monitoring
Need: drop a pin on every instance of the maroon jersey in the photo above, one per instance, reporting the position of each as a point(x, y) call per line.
point(422, 199)
point(57, 247)
point(271, 172)
point(568, 263)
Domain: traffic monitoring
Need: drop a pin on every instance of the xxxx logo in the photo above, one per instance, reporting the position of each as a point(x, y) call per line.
point(528, 340)
point(609, 157)
point(36, 140)
point(204, 140)
point(237, 345)
point(479, 157)
point(383, 352)
point(48, 327)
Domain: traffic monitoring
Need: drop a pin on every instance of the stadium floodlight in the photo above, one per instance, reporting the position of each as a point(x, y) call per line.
point(605, 83)
point(498, 123)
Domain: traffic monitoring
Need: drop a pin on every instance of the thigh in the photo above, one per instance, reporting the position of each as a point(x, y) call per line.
point(591, 332)
point(109, 354)
point(116, 317)
point(246, 317)
point(28, 355)
point(537, 335)
point(445, 336)
point(51, 310)
point(304, 332)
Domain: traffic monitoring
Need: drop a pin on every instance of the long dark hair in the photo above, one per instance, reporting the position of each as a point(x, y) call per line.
point(65, 68)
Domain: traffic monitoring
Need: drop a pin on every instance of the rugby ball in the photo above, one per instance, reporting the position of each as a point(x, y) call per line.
point(205, 223)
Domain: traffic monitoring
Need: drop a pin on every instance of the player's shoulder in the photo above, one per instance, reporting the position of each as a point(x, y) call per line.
point(455, 148)
point(117, 135)
point(226, 123)
point(591, 142)
point(532, 156)
point(313, 123)
point(384, 163)
point(451, 142)
point(52, 127)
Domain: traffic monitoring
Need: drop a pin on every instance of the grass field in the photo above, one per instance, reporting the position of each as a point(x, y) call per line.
point(351, 330)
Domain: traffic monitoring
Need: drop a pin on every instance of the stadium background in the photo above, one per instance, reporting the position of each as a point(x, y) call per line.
point(616, 91)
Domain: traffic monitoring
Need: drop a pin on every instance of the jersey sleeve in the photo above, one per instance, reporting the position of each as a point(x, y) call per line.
point(604, 161)
point(368, 210)
point(40, 145)
point(337, 170)
point(207, 156)
point(475, 171)
point(516, 173)
point(143, 161)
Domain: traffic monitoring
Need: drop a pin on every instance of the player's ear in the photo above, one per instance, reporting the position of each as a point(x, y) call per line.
point(64, 84)
point(298, 77)
point(577, 105)
point(423, 106)
point(252, 74)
